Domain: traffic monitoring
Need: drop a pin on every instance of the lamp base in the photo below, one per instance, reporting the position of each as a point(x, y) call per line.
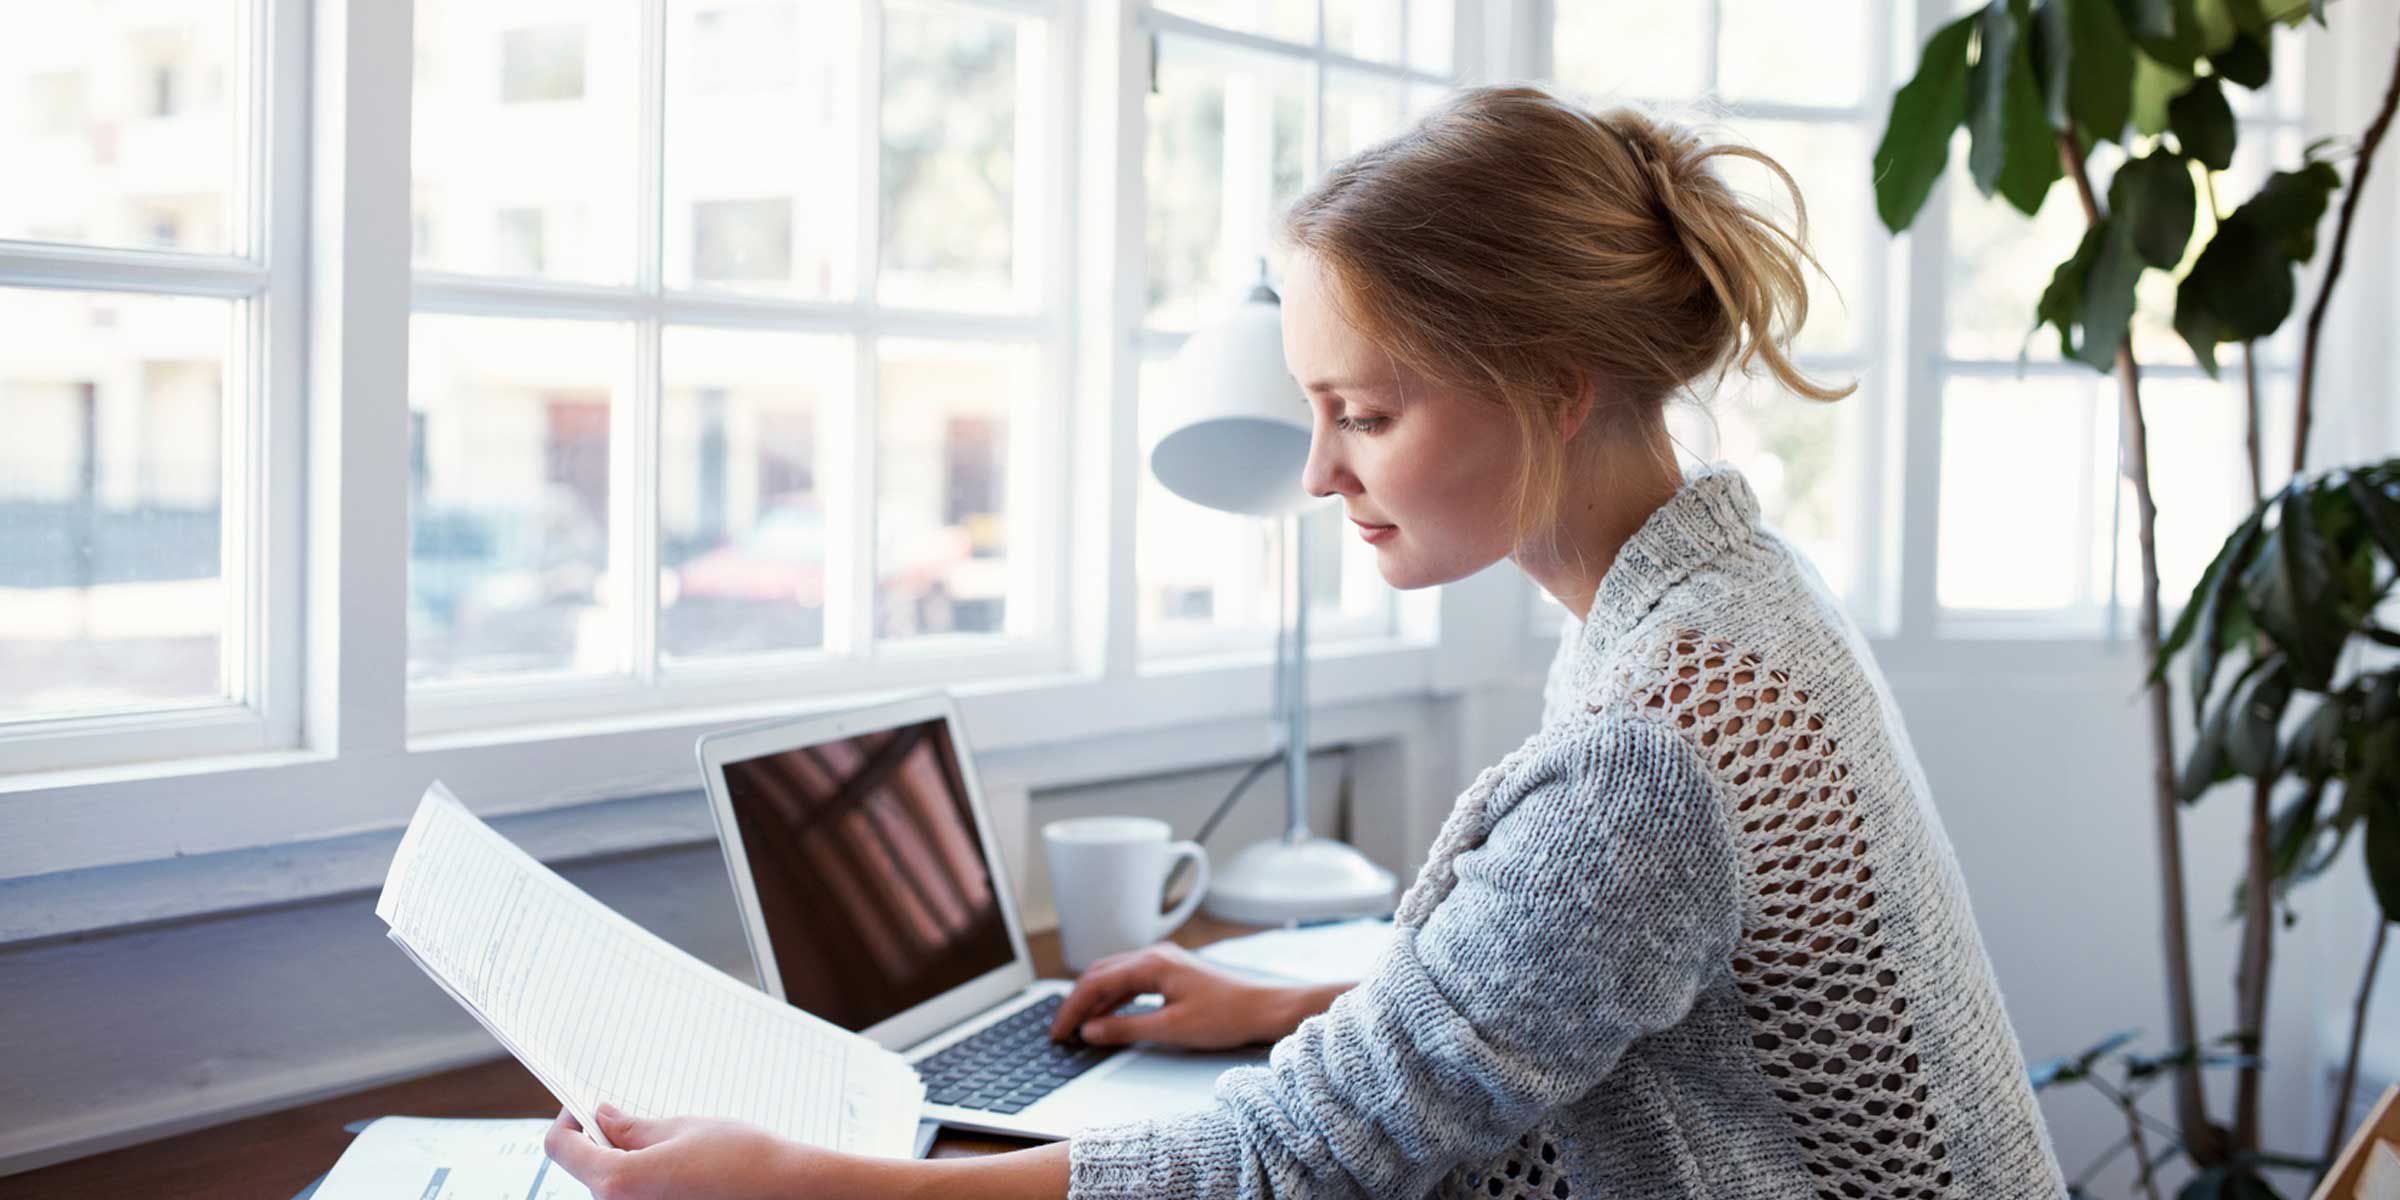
point(1279, 882)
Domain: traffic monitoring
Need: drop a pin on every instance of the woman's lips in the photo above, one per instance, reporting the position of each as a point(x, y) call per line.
point(1374, 533)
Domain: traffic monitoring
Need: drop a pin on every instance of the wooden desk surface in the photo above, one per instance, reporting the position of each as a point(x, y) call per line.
point(272, 1157)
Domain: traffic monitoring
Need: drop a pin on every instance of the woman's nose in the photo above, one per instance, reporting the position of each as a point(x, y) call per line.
point(1321, 476)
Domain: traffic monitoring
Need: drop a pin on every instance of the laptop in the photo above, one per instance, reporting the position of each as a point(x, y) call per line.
point(874, 896)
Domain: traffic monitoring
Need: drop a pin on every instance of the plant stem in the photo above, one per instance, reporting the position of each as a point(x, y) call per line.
point(2133, 1133)
point(2358, 1035)
point(2191, 1100)
point(2257, 961)
point(2333, 270)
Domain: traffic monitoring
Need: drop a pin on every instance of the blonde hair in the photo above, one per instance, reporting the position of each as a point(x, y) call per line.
point(1516, 245)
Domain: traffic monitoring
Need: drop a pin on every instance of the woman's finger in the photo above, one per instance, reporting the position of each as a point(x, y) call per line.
point(567, 1146)
point(1104, 989)
point(627, 1132)
point(1117, 1031)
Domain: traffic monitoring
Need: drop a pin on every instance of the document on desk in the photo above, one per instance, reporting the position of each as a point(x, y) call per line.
point(599, 1008)
point(423, 1158)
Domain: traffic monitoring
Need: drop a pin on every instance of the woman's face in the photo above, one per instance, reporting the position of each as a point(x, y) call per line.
point(1425, 473)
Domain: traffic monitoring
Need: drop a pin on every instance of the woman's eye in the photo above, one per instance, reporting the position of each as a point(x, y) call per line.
point(1362, 424)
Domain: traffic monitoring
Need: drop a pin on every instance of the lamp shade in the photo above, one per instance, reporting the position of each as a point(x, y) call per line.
point(1239, 437)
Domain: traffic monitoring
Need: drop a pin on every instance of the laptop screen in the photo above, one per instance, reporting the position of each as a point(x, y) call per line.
point(869, 873)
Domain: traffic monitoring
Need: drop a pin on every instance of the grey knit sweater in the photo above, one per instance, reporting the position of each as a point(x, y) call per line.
point(1701, 935)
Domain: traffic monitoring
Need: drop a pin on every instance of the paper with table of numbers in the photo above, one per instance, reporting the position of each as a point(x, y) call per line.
point(599, 1008)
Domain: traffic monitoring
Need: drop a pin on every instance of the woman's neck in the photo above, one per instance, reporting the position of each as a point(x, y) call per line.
point(1610, 488)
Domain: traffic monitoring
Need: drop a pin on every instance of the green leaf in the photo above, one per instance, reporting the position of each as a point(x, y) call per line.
point(1916, 144)
point(2206, 766)
point(2247, 61)
point(2093, 291)
point(2053, 61)
point(2209, 1184)
point(2250, 729)
point(2155, 86)
point(2203, 123)
point(2099, 68)
point(2301, 601)
point(2219, 588)
point(2316, 746)
point(2148, 19)
point(2378, 512)
point(2383, 855)
point(2033, 162)
point(2068, 1068)
point(2289, 206)
point(2155, 196)
point(1989, 81)
point(2238, 289)
point(2209, 24)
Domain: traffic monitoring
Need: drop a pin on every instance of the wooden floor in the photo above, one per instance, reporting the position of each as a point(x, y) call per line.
point(274, 1156)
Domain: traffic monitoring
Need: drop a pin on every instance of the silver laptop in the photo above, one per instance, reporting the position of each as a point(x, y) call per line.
point(874, 896)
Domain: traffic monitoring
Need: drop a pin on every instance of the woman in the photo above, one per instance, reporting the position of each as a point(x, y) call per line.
point(1702, 934)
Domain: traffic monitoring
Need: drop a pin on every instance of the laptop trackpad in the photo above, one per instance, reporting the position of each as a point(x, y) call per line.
point(1186, 1071)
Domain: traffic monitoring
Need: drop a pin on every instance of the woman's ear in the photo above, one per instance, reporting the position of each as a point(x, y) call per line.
point(1582, 397)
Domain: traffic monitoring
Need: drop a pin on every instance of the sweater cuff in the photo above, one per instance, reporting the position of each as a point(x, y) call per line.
point(1110, 1162)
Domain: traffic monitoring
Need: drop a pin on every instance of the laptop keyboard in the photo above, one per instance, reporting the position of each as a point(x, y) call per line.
point(1007, 1065)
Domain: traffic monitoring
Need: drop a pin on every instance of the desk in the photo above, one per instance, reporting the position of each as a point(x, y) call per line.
point(273, 1156)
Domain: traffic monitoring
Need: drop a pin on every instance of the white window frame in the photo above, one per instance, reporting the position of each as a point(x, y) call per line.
point(259, 419)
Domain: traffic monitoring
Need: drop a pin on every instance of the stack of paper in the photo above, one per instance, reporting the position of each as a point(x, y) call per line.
point(1335, 952)
point(600, 1009)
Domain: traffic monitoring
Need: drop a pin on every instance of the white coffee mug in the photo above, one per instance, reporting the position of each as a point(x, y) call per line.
point(1106, 874)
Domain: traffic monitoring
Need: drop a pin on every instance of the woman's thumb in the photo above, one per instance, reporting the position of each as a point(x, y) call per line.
point(622, 1131)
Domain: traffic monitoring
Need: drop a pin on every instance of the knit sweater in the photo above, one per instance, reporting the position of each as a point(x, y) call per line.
point(1700, 935)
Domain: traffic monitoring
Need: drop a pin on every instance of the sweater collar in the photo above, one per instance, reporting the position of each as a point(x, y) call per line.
point(1712, 514)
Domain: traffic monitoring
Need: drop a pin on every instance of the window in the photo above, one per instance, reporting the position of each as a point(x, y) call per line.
point(149, 303)
point(751, 373)
point(1805, 84)
point(1250, 103)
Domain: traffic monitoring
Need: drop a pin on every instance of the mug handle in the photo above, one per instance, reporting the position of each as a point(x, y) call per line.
point(1191, 900)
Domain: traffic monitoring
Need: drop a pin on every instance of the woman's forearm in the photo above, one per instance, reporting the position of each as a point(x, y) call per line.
point(1036, 1174)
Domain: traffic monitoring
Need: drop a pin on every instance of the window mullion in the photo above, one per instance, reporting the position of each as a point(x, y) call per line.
point(851, 597)
point(635, 550)
point(1922, 380)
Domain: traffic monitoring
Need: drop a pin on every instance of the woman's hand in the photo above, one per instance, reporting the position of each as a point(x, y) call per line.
point(697, 1158)
point(1206, 1008)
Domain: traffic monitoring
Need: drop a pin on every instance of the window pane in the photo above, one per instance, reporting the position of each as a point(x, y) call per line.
point(951, 112)
point(509, 495)
point(760, 214)
point(1359, 112)
point(1432, 33)
point(946, 533)
point(2199, 477)
point(129, 118)
point(1824, 159)
point(1785, 53)
point(1368, 29)
point(2021, 463)
point(745, 512)
point(1631, 48)
point(524, 138)
point(111, 593)
point(1291, 20)
point(1227, 153)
